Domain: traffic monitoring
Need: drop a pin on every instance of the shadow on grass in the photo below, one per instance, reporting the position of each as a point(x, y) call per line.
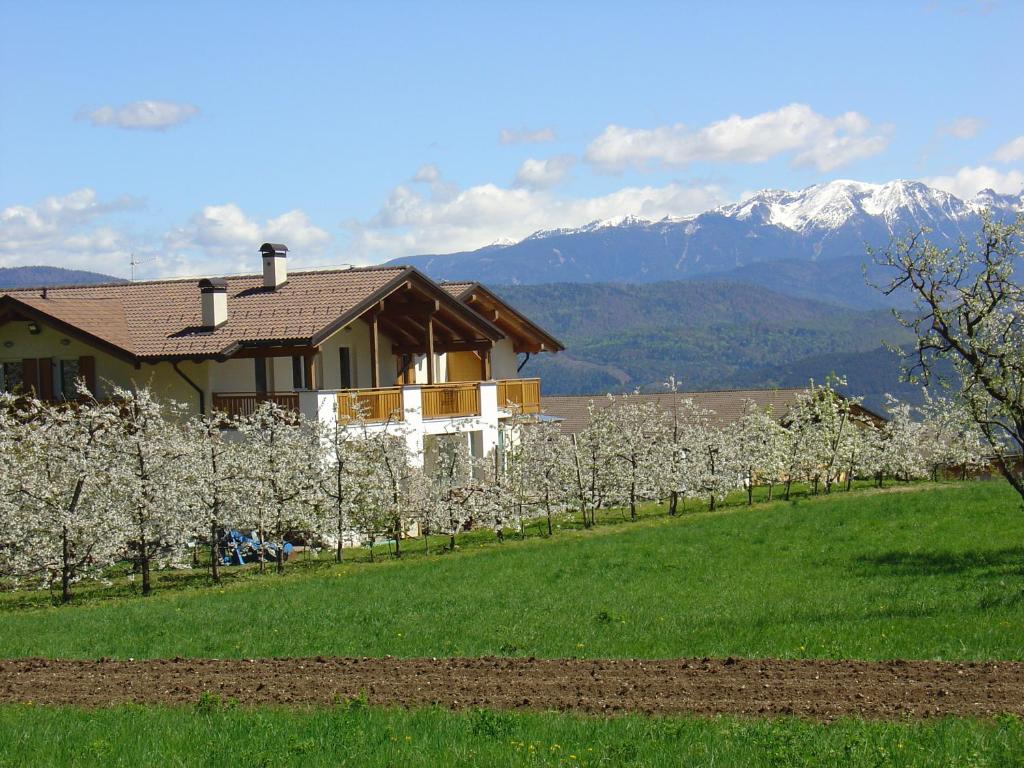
point(1009, 560)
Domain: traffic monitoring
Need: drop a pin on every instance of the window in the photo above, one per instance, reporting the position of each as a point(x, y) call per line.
point(68, 378)
point(345, 360)
point(261, 373)
point(12, 376)
point(298, 373)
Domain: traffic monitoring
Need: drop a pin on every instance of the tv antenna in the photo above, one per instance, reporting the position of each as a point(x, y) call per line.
point(134, 262)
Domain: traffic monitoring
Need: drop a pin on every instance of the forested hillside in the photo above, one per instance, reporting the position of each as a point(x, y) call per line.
point(709, 335)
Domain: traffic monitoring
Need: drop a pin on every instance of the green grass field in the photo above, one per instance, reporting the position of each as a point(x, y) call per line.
point(931, 572)
point(201, 736)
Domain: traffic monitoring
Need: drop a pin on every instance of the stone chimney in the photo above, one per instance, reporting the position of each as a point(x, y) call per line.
point(214, 294)
point(275, 271)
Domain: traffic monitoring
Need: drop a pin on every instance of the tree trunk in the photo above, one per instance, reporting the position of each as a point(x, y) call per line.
point(65, 567)
point(398, 538)
point(750, 489)
point(214, 554)
point(261, 556)
point(280, 557)
point(632, 501)
point(711, 503)
point(147, 587)
point(789, 485)
point(673, 503)
point(548, 511)
point(771, 487)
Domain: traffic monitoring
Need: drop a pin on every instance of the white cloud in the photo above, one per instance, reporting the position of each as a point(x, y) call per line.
point(524, 136)
point(963, 127)
point(223, 239)
point(428, 173)
point(541, 174)
point(1011, 151)
point(412, 223)
point(812, 139)
point(143, 115)
point(65, 231)
point(75, 231)
point(967, 181)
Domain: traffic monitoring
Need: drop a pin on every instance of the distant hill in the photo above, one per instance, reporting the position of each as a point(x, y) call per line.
point(32, 277)
point(816, 237)
point(709, 334)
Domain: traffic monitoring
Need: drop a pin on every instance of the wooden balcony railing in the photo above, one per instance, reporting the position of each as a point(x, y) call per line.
point(450, 400)
point(520, 394)
point(371, 404)
point(245, 403)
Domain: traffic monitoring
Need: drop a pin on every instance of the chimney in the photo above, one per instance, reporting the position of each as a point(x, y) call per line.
point(214, 292)
point(275, 271)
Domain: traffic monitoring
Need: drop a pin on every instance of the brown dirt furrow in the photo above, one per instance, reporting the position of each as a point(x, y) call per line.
point(820, 690)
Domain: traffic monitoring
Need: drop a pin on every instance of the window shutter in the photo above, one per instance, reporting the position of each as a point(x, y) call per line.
point(87, 371)
point(30, 375)
point(46, 378)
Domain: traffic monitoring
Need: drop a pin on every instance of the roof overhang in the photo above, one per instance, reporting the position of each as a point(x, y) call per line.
point(12, 308)
point(526, 335)
point(410, 298)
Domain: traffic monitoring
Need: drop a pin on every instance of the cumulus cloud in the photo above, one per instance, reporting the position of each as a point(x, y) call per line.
point(428, 173)
point(411, 223)
point(66, 231)
point(963, 127)
point(143, 115)
point(1011, 151)
point(79, 231)
point(541, 174)
point(810, 138)
point(223, 239)
point(525, 136)
point(967, 181)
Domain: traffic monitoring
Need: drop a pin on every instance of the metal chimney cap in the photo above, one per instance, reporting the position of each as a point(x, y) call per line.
point(213, 285)
point(274, 249)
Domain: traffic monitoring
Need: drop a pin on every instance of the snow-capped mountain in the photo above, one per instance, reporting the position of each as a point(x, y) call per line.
point(826, 227)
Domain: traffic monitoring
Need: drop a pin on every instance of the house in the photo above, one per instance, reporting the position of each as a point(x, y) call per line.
point(413, 354)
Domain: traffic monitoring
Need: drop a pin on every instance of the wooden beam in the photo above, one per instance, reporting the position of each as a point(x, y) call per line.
point(485, 364)
point(374, 352)
point(454, 346)
point(247, 352)
point(430, 349)
point(393, 329)
point(310, 364)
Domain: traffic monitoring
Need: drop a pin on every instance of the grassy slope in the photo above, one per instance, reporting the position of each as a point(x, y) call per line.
point(132, 736)
point(928, 574)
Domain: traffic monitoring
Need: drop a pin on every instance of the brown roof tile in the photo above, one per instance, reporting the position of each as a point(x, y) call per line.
point(163, 318)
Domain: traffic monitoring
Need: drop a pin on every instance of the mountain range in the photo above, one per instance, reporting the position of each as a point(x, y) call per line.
point(765, 292)
point(810, 243)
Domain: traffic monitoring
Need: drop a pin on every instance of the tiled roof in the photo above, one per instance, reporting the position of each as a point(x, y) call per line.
point(728, 405)
point(163, 318)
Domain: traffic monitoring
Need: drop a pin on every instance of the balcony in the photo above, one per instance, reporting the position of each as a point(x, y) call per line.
point(390, 404)
point(237, 404)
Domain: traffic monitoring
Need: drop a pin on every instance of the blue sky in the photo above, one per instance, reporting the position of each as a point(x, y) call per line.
point(187, 133)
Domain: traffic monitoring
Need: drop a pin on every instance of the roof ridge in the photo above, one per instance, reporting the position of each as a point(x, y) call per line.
point(187, 278)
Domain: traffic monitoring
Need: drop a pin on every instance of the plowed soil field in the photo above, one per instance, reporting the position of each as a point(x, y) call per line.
point(820, 690)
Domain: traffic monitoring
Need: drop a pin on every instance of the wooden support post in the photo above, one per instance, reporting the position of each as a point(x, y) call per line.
point(310, 364)
point(374, 352)
point(485, 364)
point(430, 349)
